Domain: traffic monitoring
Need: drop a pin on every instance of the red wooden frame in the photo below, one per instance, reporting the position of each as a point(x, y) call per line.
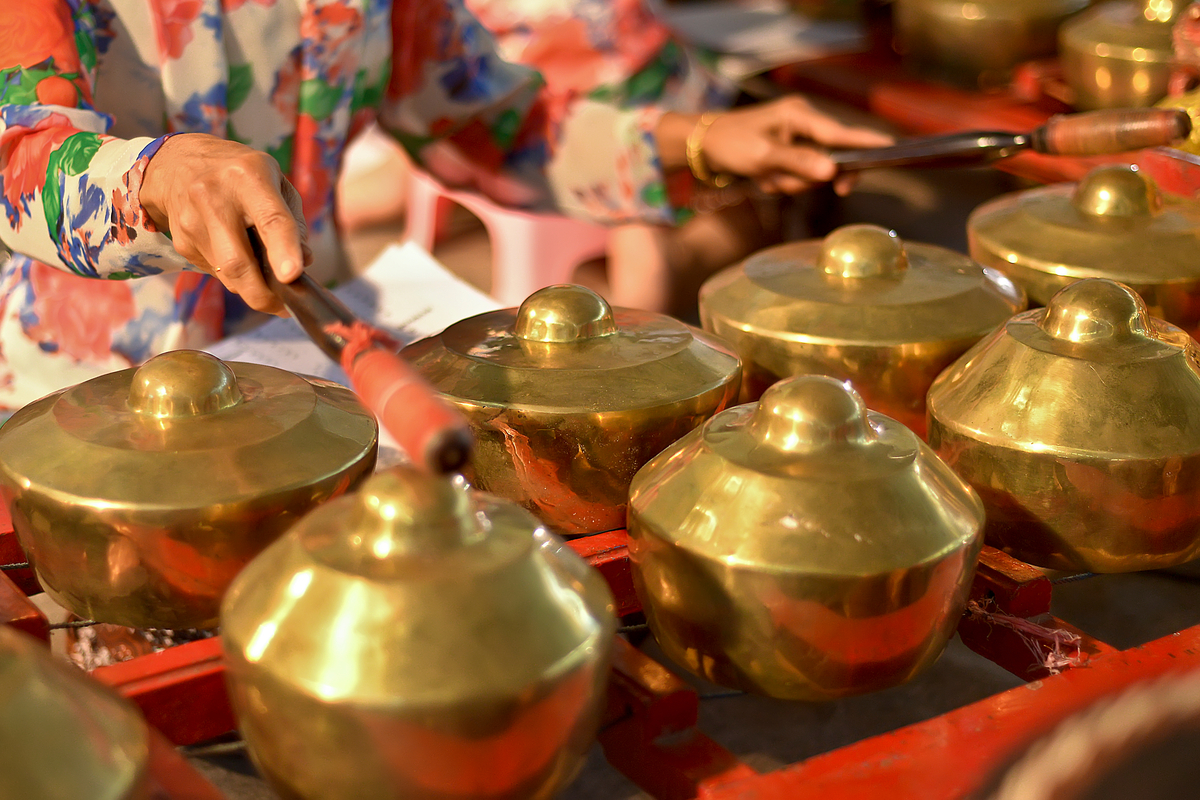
point(650, 731)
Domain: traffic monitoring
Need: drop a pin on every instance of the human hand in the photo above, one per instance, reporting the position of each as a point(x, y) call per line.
point(207, 192)
point(781, 145)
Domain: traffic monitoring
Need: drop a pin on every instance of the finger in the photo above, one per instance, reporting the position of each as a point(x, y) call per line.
point(767, 184)
point(790, 184)
point(848, 137)
point(777, 183)
point(801, 119)
point(292, 197)
point(235, 265)
point(268, 213)
point(295, 204)
point(844, 184)
point(802, 162)
point(212, 236)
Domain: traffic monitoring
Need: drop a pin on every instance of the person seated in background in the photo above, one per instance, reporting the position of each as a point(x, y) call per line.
point(140, 140)
point(616, 53)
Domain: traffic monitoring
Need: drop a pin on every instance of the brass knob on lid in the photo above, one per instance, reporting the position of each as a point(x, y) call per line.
point(183, 383)
point(809, 413)
point(1117, 191)
point(1096, 309)
point(407, 512)
point(564, 313)
point(862, 251)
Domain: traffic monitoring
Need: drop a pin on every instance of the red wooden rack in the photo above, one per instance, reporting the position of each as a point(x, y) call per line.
point(651, 733)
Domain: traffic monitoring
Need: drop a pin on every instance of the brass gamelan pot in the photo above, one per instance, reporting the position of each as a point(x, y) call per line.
point(138, 495)
point(418, 640)
point(978, 42)
point(1115, 223)
point(861, 306)
point(803, 547)
point(568, 397)
point(1119, 54)
point(63, 736)
point(1079, 426)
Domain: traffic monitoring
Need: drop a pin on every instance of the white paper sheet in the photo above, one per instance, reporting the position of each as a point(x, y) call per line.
point(404, 291)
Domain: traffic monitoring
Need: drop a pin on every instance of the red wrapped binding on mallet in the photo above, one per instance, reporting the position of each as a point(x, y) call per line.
point(433, 433)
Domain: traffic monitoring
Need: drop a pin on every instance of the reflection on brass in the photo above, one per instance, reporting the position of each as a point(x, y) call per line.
point(1114, 224)
point(138, 495)
point(418, 640)
point(64, 737)
point(803, 547)
point(567, 398)
point(1119, 54)
point(977, 42)
point(860, 306)
point(1079, 426)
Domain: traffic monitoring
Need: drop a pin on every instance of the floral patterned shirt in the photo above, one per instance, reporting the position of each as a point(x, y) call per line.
point(613, 51)
point(89, 89)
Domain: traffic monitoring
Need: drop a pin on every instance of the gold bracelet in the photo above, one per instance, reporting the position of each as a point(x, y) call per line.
point(694, 150)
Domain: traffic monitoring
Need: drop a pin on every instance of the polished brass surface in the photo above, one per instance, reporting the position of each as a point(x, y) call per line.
point(1115, 223)
point(803, 547)
point(1079, 426)
point(63, 736)
point(1118, 54)
point(977, 42)
point(418, 640)
point(138, 495)
point(861, 306)
point(567, 398)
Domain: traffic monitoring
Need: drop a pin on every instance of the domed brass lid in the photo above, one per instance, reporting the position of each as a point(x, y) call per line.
point(184, 431)
point(65, 737)
point(860, 285)
point(1115, 223)
point(1136, 30)
point(1090, 375)
point(436, 594)
point(566, 350)
point(807, 480)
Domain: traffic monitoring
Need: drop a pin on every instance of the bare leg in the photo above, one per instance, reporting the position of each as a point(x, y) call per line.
point(376, 191)
point(661, 269)
point(640, 265)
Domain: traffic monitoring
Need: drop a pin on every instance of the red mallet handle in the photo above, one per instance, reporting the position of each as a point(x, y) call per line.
point(1116, 130)
point(432, 432)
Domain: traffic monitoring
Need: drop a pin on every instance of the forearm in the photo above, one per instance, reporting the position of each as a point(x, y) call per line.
point(71, 197)
point(70, 192)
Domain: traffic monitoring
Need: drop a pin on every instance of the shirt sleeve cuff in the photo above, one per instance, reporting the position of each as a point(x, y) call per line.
point(105, 230)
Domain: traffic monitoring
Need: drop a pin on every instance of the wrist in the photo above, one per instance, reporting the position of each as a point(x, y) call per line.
point(697, 160)
point(670, 138)
point(151, 190)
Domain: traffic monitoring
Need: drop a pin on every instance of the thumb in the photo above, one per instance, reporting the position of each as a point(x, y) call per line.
point(802, 162)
